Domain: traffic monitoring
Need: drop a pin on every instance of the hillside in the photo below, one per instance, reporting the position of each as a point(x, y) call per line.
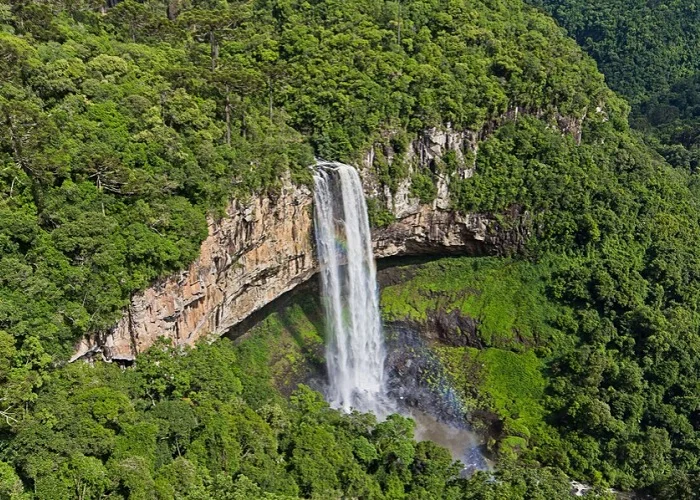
point(125, 127)
point(124, 130)
point(642, 48)
point(646, 52)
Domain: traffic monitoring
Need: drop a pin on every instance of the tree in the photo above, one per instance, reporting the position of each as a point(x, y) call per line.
point(24, 136)
point(11, 487)
point(235, 85)
point(214, 26)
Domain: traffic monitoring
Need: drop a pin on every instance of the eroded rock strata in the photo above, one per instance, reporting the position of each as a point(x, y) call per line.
point(264, 248)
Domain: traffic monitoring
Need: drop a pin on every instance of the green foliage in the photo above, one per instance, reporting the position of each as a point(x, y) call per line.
point(282, 348)
point(670, 120)
point(423, 187)
point(519, 483)
point(378, 215)
point(622, 228)
point(123, 131)
point(508, 385)
point(617, 230)
point(641, 47)
point(11, 487)
point(515, 382)
point(506, 298)
point(99, 431)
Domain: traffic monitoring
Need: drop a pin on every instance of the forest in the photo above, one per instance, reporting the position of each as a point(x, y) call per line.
point(645, 50)
point(126, 125)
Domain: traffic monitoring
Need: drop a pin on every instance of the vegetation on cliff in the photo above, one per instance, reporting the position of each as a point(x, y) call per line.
point(123, 128)
point(626, 397)
point(495, 357)
point(622, 228)
point(615, 238)
point(646, 50)
point(122, 131)
point(505, 298)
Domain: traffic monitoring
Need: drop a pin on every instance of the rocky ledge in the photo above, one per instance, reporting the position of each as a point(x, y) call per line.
point(264, 248)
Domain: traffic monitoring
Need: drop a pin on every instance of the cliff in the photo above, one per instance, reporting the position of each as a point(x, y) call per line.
point(262, 249)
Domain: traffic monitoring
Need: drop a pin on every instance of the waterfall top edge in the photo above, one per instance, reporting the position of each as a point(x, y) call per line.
point(329, 165)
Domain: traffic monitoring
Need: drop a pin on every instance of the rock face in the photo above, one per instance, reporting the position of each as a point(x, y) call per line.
point(253, 255)
point(430, 230)
point(264, 248)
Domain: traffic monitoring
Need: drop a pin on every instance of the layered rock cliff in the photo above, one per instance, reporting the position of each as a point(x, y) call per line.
point(262, 249)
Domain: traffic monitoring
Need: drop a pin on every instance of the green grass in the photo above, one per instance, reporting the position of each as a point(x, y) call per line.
point(510, 384)
point(515, 382)
point(286, 343)
point(506, 297)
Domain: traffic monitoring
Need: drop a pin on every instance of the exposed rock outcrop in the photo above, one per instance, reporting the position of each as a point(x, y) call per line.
point(432, 230)
point(253, 255)
point(264, 248)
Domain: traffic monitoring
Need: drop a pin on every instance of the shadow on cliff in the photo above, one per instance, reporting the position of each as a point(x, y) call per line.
point(292, 328)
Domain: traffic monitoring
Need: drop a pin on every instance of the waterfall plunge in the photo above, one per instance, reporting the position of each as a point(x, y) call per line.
point(355, 350)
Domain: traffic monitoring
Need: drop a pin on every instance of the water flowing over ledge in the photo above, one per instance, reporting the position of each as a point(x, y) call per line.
point(355, 346)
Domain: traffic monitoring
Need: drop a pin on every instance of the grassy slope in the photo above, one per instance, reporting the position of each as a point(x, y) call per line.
point(507, 383)
point(287, 345)
point(506, 297)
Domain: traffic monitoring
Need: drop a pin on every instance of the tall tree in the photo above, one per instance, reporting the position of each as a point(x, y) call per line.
point(215, 25)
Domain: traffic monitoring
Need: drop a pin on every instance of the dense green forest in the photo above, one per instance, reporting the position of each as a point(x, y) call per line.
point(646, 50)
point(641, 47)
point(208, 425)
point(124, 126)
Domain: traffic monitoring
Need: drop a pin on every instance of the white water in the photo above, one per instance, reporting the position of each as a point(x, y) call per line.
point(355, 351)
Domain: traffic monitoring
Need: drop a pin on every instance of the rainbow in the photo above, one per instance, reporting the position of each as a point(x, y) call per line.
point(341, 246)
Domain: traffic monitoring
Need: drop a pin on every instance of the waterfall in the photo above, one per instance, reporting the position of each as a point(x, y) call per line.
point(355, 353)
point(355, 348)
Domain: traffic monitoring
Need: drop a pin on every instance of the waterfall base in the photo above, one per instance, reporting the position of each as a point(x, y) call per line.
point(463, 444)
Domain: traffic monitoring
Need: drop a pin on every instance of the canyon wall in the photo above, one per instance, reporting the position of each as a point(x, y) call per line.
point(262, 249)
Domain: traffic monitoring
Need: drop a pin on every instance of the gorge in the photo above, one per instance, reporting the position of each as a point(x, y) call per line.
point(536, 238)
